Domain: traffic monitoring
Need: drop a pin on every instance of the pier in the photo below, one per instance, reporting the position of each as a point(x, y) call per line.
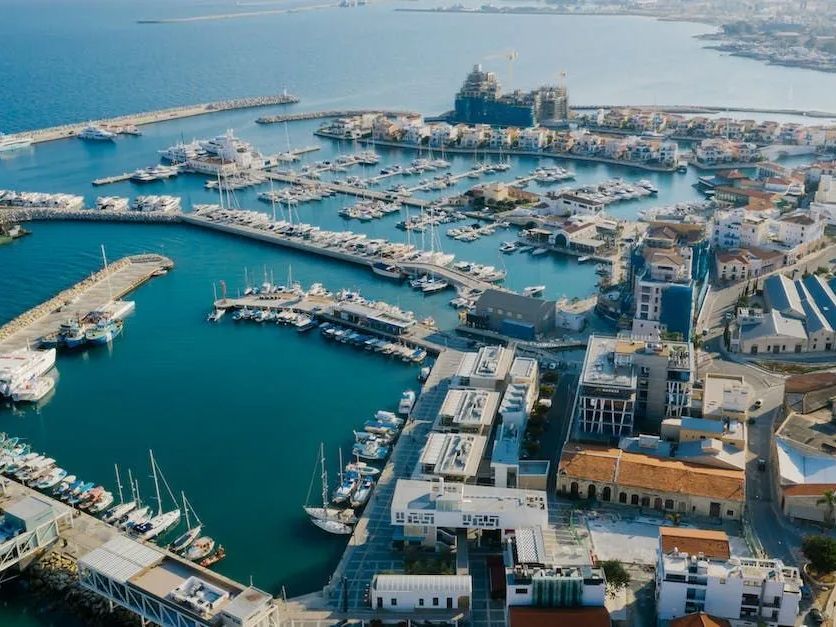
point(120, 278)
point(333, 113)
point(349, 190)
point(161, 115)
point(107, 180)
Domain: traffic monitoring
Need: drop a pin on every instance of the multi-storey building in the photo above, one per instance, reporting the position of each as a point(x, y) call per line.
point(626, 380)
point(696, 572)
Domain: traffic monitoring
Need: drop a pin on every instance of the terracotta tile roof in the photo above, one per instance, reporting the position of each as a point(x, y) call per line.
point(801, 383)
point(634, 470)
point(808, 489)
point(693, 541)
point(724, 256)
point(558, 616)
point(700, 619)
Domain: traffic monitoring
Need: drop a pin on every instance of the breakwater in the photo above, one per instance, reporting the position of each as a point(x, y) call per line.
point(333, 113)
point(10, 215)
point(160, 115)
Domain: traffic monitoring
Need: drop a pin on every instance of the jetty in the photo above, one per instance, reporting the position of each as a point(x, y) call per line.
point(160, 115)
point(348, 190)
point(97, 290)
point(332, 113)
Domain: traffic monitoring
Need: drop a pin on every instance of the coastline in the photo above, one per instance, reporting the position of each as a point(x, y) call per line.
point(496, 151)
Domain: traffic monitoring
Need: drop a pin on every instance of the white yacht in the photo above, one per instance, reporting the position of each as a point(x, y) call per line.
point(33, 390)
point(96, 133)
point(13, 142)
point(20, 366)
point(406, 403)
point(111, 203)
point(181, 152)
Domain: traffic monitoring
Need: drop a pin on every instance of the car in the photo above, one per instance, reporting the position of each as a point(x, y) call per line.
point(758, 403)
point(816, 616)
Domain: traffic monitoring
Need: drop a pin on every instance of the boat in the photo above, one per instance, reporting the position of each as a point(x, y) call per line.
point(584, 259)
point(101, 503)
point(332, 526)
point(406, 403)
point(181, 152)
point(22, 365)
point(13, 142)
point(215, 315)
point(345, 488)
point(534, 290)
point(364, 469)
point(117, 512)
point(162, 521)
point(199, 549)
point(55, 476)
point(390, 271)
point(213, 558)
point(64, 485)
point(134, 518)
point(362, 493)
point(103, 332)
point(371, 449)
point(96, 133)
point(508, 247)
point(33, 390)
point(191, 534)
point(539, 251)
point(433, 285)
point(340, 514)
point(326, 514)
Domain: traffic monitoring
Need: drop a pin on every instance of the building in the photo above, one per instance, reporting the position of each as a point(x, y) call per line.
point(739, 228)
point(523, 616)
point(166, 590)
point(742, 264)
point(389, 320)
point(625, 381)
point(800, 229)
point(411, 593)
point(514, 315)
point(419, 508)
point(804, 447)
point(534, 581)
point(29, 514)
point(468, 410)
point(723, 396)
point(668, 485)
point(706, 443)
point(488, 368)
point(453, 456)
point(759, 332)
point(696, 572)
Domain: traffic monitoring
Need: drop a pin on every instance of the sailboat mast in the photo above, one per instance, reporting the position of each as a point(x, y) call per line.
point(324, 475)
point(156, 484)
point(107, 275)
point(341, 465)
point(118, 484)
point(186, 509)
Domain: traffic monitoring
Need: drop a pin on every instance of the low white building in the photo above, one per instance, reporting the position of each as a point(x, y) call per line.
point(487, 368)
point(443, 134)
point(696, 572)
point(409, 593)
point(532, 139)
point(421, 507)
point(467, 410)
point(799, 228)
point(738, 228)
point(454, 456)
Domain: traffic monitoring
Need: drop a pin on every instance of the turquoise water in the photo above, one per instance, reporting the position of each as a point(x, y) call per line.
point(235, 413)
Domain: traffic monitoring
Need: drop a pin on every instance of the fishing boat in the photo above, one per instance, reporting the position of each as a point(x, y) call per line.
point(214, 558)
point(363, 469)
point(379, 428)
point(33, 390)
point(55, 476)
point(104, 331)
point(434, 285)
point(199, 549)
point(101, 503)
point(406, 403)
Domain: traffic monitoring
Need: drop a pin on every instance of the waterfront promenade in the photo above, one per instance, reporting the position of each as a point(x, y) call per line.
point(161, 115)
point(120, 278)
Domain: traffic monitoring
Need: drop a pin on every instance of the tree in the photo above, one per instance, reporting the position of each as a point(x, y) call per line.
point(828, 499)
point(821, 551)
point(616, 575)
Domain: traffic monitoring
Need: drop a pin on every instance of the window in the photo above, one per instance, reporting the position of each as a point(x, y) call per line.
point(730, 513)
point(421, 602)
point(521, 590)
point(435, 601)
point(393, 602)
point(668, 503)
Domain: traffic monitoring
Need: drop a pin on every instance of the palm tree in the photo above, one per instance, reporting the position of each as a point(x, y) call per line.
point(828, 499)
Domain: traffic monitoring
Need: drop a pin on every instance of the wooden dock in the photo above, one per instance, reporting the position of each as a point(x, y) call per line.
point(122, 277)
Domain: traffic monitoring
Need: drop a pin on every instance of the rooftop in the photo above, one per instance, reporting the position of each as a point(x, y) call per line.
point(468, 407)
point(413, 495)
point(453, 454)
point(600, 367)
point(724, 393)
point(612, 465)
point(773, 324)
point(452, 584)
point(712, 544)
point(520, 616)
point(491, 362)
point(523, 368)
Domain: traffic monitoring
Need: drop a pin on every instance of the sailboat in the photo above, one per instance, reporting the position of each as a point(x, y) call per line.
point(117, 512)
point(191, 534)
point(162, 521)
point(138, 515)
point(333, 520)
point(348, 483)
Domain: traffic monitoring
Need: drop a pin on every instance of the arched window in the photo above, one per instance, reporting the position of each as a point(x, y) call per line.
point(606, 493)
point(622, 497)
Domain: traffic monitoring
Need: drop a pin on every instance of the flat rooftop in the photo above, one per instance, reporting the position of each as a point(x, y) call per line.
point(411, 494)
point(814, 431)
point(514, 398)
point(523, 368)
point(453, 454)
point(600, 367)
point(722, 392)
point(491, 362)
point(468, 408)
point(506, 446)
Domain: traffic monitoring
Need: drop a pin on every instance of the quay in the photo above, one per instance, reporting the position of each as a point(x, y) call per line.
point(334, 113)
point(161, 115)
point(156, 585)
point(107, 180)
point(454, 277)
point(104, 286)
point(505, 152)
point(349, 190)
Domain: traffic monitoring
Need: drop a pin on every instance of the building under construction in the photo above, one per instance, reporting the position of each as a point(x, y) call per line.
point(481, 101)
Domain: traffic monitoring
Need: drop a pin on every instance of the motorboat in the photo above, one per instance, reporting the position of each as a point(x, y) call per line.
point(534, 290)
point(199, 549)
point(406, 403)
point(332, 526)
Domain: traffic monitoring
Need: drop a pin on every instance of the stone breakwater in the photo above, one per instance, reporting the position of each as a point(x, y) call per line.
point(53, 580)
point(10, 215)
point(149, 117)
point(71, 294)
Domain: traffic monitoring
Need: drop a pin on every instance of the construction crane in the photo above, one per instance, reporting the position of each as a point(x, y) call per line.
point(510, 56)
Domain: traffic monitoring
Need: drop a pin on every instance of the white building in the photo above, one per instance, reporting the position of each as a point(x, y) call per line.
point(696, 572)
point(467, 410)
point(799, 228)
point(532, 139)
point(487, 368)
point(411, 593)
point(454, 456)
point(739, 228)
point(443, 134)
point(421, 507)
